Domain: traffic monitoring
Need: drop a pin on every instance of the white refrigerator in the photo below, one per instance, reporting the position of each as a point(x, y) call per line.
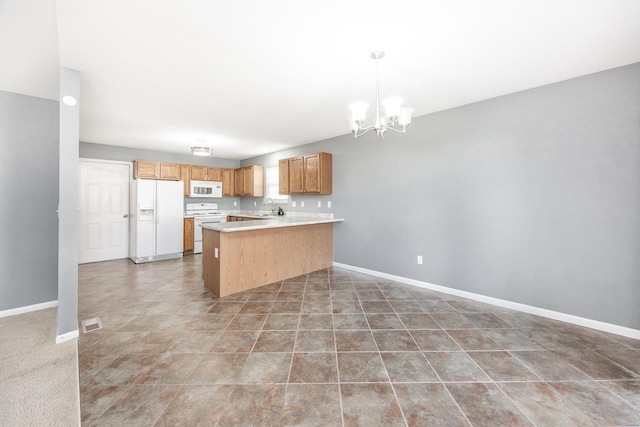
point(157, 220)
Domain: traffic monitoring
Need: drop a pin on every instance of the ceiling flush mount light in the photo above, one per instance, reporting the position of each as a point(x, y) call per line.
point(201, 151)
point(395, 113)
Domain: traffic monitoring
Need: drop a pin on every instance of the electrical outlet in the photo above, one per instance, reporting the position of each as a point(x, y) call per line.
point(254, 203)
point(293, 204)
point(329, 204)
point(235, 203)
point(302, 204)
point(319, 204)
point(420, 259)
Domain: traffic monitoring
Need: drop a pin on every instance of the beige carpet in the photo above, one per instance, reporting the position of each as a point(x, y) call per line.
point(38, 378)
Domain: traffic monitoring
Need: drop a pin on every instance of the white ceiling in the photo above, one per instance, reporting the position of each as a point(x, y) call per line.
point(254, 76)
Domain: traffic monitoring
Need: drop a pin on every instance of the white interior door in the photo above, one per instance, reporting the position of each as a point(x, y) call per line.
point(104, 211)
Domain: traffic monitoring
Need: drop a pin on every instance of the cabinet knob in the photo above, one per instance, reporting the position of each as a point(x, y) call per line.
point(125, 216)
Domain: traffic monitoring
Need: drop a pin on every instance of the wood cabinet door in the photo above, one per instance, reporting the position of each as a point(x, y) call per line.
point(238, 176)
point(188, 234)
point(170, 171)
point(198, 173)
point(185, 177)
point(146, 169)
point(296, 167)
point(228, 183)
point(214, 174)
point(247, 173)
point(311, 177)
point(258, 181)
point(283, 174)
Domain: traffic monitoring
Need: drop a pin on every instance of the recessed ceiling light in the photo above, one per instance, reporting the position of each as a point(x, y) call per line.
point(69, 100)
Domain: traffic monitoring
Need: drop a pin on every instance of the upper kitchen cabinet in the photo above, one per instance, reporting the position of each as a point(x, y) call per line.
point(198, 173)
point(156, 170)
point(249, 181)
point(214, 174)
point(228, 183)
point(146, 169)
point(185, 177)
point(170, 171)
point(283, 172)
point(310, 174)
point(205, 173)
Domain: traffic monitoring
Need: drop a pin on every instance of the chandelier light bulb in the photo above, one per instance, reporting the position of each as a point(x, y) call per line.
point(392, 106)
point(359, 110)
point(404, 119)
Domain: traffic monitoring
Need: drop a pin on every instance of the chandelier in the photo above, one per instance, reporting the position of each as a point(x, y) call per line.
point(395, 113)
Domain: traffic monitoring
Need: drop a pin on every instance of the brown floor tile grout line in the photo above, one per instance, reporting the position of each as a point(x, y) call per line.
point(335, 346)
point(293, 352)
point(386, 371)
point(432, 368)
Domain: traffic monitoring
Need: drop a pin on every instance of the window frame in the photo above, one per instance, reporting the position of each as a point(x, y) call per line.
point(274, 172)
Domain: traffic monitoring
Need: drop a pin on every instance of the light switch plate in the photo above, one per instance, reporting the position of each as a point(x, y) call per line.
point(293, 204)
point(329, 204)
point(302, 204)
point(319, 204)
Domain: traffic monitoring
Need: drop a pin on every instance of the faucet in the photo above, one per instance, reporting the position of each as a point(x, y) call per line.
point(273, 205)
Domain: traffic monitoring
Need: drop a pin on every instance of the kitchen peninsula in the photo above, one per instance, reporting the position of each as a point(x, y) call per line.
point(238, 256)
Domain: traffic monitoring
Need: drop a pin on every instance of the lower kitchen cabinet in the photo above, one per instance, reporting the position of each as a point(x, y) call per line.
point(188, 234)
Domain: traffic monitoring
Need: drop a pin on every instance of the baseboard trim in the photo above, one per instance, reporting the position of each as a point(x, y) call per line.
point(28, 308)
point(550, 314)
point(67, 336)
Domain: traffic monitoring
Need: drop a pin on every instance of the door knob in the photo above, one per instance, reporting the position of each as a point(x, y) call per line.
point(125, 216)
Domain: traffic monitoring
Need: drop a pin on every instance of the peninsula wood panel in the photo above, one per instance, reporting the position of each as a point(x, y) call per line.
point(253, 258)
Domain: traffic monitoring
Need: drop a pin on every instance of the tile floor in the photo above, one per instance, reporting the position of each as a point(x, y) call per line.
point(335, 348)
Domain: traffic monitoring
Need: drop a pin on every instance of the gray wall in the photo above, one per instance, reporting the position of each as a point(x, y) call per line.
point(531, 197)
point(68, 204)
point(125, 154)
point(28, 174)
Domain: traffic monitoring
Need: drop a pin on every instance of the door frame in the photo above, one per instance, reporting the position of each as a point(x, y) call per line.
point(112, 162)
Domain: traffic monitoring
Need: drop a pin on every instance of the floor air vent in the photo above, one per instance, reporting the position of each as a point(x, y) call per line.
point(90, 325)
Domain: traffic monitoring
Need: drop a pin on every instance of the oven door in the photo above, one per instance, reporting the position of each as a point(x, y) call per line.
point(197, 230)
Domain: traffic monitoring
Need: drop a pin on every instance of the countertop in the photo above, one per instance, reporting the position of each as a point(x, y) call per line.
point(268, 222)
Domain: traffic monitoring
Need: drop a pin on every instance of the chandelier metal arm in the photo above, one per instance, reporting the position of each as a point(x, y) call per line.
point(379, 130)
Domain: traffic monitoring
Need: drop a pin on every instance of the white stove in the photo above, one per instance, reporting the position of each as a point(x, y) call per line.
point(201, 209)
point(203, 213)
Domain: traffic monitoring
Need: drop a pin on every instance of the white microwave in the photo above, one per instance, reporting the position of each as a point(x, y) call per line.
point(206, 189)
